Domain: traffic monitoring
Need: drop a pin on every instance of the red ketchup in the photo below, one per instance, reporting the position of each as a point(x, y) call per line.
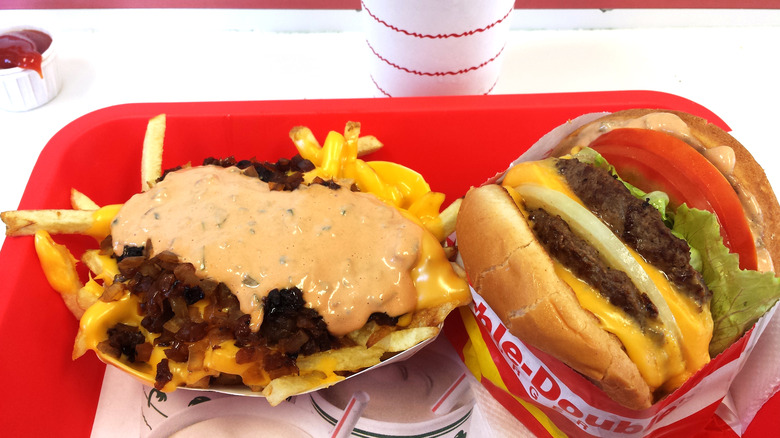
point(23, 48)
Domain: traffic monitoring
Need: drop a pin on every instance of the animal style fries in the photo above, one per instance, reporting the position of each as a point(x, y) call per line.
point(165, 353)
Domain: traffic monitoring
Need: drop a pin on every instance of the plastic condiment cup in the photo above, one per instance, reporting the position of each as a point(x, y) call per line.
point(23, 89)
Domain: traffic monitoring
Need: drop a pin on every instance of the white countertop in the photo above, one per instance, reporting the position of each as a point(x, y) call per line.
point(722, 59)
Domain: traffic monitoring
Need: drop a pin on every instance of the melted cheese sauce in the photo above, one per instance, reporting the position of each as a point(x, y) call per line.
point(233, 229)
point(101, 316)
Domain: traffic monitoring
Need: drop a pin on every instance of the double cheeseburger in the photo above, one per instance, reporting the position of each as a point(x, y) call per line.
point(623, 253)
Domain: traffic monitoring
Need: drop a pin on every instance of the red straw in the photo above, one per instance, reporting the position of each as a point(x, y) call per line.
point(351, 415)
point(448, 393)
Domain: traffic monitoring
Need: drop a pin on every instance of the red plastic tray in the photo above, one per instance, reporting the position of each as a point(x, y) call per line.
point(455, 142)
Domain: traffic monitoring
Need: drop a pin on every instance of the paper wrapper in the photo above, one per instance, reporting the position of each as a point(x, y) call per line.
point(435, 47)
point(551, 399)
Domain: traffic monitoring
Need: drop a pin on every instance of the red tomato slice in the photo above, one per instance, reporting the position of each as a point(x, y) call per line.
point(653, 160)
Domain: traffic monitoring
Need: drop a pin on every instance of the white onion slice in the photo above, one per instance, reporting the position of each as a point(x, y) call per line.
point(587, 226)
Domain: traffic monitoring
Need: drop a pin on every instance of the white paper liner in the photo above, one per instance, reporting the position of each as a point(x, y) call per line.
point(759, 378)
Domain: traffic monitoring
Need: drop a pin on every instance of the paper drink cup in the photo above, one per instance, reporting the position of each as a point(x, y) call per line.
point(205, 413)
point(401, 396)
point(435, 47)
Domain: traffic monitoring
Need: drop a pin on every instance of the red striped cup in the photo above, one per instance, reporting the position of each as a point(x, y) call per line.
point(435, 47)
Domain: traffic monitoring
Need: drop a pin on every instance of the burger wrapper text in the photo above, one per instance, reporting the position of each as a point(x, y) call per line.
point(552, 400)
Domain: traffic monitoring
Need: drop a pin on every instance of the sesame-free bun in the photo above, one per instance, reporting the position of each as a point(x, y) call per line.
point(512, 271)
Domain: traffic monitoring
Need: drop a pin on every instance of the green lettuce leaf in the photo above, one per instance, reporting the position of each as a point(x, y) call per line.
point(659, 200)
point(740, 297)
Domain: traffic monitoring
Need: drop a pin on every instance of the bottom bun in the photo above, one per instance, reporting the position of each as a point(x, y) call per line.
point(512, 271)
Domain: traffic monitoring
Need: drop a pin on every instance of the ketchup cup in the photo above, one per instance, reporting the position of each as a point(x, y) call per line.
point(24, 88)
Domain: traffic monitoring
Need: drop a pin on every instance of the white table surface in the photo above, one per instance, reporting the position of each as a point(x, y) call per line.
point(725, 60)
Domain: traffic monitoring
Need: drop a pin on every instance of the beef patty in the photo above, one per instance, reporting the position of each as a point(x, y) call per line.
point(636, 223)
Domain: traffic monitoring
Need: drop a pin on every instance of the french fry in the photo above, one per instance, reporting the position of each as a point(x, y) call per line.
point(307, 144)
point(27, 222)
point(368, 144)
point(319, 370)
point(448, 217)
point(458, 268)
point(310, 148)
point(79, 345)
point(88, 294)
point(343, 359)
point(283, 387)
point(369, 181)
point(401, 340)
point(351, 146)
point(59, 266)
point(352, 131)
point(151, 157)
point(332, 155)
point(80, 201)
point(102, 266)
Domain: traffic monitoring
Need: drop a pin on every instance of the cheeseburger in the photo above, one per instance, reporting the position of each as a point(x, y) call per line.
point(624, 252)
